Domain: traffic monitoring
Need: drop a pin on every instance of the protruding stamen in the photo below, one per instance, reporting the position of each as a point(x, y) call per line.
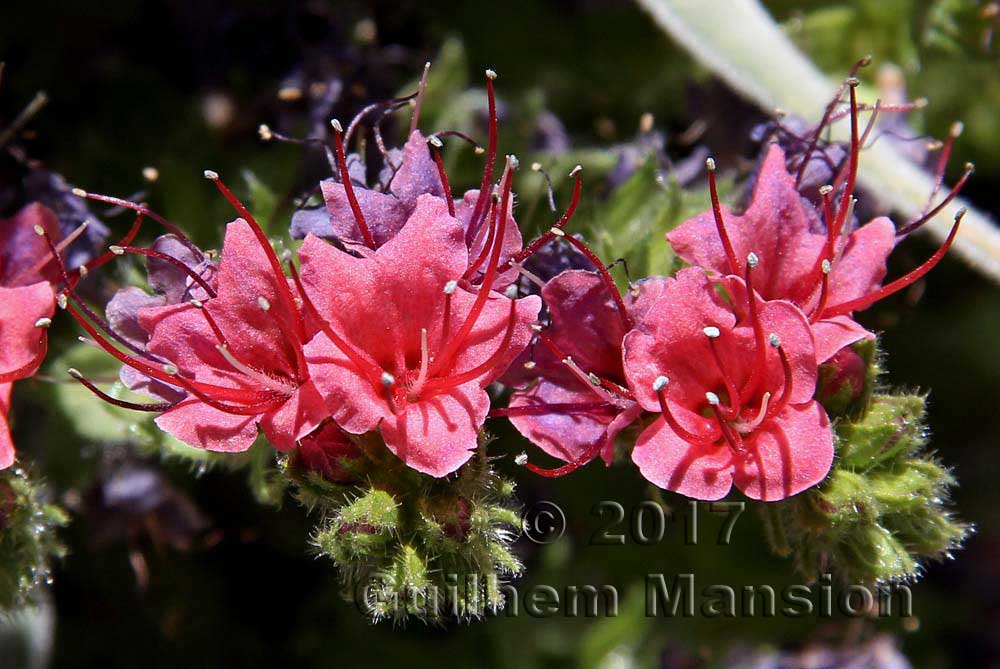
point(89, 385)
point(475, 222)
point(660, 388)
point(442, 174)
point(152, 253)
point(899, 284)
point(544, 239)
point(345, 179)
point(609, 283)
point(720, 225)
point(421, 88)
point(952, 194)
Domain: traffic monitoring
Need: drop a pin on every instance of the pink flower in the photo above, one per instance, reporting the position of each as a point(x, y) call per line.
point(733, 384)
point(27, 302)
point(778, 226)
point(326, 451)
point(576, 404)
point(238, 353)
point(827, 274)
point(407, 347)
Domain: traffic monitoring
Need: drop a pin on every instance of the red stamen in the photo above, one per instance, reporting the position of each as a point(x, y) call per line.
point(609, 283)
point(491, 154)
point(233, 394)
point(279, 276)
point(448, 382)
point(442, 174)
point(345, 179)
point(786, 392)
point(158, 407)
point(592, 381)
point(145, 211)
point(760, 354)
point(733, 410)
point(70, 289)
point(236, 410)
point(485, 288)
point(952, 194)
point(491, 230)
point(733, 440)
point(826, 120)
point(899, 284)
point(571, 467)
point(660, 388)
point(824, 293)
point(720, 225)
point(421, 88)
point(373, 371)
point(942, 163)
point(854, 157)
point(152, 253)
point(544, 239)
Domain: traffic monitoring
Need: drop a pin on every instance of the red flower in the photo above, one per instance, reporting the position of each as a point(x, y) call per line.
point(779, 227)
point(734, 385)
point(238, 354)
point(27, 302)
point(577, 405)
point(407, 346)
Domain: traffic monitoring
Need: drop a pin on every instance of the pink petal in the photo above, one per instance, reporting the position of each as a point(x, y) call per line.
point(417, 174)
point(862, 264)
point(776, 226)
point(21, 248)
point(297, 417)
point(20, 309)
point(562, 434)
point(833, 334)
point(438, 435)
point(666, 460)
point(585, 323)
point(199, 425)
point(787, 455)
point(670, 341)
point(6, 442)
point(384, 214)
point(354, 403)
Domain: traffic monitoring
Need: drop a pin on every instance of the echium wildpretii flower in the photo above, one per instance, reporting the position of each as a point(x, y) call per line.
point(726, 354)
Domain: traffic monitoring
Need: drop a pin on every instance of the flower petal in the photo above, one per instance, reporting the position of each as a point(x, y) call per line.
point(199, 425)
point(666, 460)
point(22, 248)
point(20, 309)
point(302, 413)
point(438, 435)
point(6, 442)
point(787, 455)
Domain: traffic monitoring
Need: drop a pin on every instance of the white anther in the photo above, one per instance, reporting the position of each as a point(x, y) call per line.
point(576, 170)
point(752, 259)
point(263, 303)
point(336, 125)
point(536, 327)
point(83, 271)
point(117, 250)
point(558, 232)
point(660, 383)
point(75, 373)
point(197, 304)
point(712, 332)
point(710, 164)
point(511, 292)
point(211, 175)
point(826, 266)
point(712, 398)
point(39, 230)
point(62, 301)
point(171, 370)
point(594, 378)
point(530, 364)
point(521, 459)
point(774, 340)
point(450, 287)
point(79, 192)
point(491, 74)
point(536, 167)
point(825, 190)
point(388, 379)
point(150, 173)
point(514, 162)
point(43, 322)
point(264, 130)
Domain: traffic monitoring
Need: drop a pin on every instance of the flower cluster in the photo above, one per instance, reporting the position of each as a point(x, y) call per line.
point(720, 363)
